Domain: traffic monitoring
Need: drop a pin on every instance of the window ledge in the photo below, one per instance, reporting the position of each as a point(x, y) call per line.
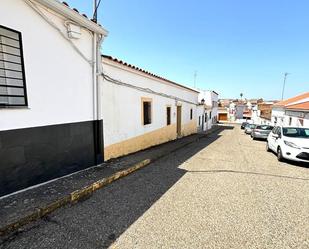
point(13, 107)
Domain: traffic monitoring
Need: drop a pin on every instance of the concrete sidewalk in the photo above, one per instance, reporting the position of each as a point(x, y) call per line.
point(19, 205)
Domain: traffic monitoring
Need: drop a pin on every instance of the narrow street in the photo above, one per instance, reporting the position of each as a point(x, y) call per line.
point(224, 191)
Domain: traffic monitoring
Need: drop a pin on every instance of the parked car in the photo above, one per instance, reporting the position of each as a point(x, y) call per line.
point(249, 128)
point(243, 125)
point(261, 131)
point(289, 143)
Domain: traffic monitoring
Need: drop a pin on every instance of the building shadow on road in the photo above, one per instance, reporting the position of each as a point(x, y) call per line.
point(101, 219)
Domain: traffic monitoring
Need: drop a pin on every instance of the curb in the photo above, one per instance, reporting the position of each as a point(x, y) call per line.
point(75, 196)
point(71, 198)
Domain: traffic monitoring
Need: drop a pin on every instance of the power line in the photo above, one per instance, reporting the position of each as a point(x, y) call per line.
point(142, 89)
point(95, 14)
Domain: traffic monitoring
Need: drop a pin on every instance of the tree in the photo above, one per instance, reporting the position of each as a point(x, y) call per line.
point(241, 95)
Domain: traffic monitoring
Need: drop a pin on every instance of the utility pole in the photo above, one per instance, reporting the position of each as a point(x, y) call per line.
point(95, 11)
point(285, 76)
point(195, 75)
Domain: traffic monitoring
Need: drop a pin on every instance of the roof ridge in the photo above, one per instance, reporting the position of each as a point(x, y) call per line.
point(292, 99)
point(299, 106)
point(299, 101)
point(146, 72)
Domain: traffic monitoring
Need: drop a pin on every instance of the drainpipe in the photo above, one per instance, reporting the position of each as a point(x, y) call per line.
point(98, 123)
point(94, 76)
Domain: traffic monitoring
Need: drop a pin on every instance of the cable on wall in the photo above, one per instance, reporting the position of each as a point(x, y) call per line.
point(142, 89)
point(36, 9)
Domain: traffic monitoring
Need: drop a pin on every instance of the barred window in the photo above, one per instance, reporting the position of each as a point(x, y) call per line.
point(168, 115)
point(12, 74)
point(146, 112)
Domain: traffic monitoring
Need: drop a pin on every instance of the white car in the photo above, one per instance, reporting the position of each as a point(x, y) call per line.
point(290, 143)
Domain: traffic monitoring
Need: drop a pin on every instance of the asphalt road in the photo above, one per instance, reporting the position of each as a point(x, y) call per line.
point(224, 191)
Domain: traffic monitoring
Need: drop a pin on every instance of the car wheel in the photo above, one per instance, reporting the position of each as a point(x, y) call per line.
point(279, 155)
point(267, 147)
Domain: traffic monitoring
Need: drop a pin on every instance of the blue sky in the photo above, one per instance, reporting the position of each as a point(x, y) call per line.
point(235, 46)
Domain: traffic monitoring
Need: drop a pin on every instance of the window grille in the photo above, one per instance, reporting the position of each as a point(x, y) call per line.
point(12, 73)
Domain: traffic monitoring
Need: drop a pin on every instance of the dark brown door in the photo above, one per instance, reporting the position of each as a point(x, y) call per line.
point(179, 121)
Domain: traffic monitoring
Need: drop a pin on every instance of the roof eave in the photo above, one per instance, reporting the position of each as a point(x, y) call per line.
point(72, 15)
point(297, 109)
point(113, 60)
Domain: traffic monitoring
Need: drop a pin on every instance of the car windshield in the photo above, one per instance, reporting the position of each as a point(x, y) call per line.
point(296, 132)
point(264, 127)
point(252, 126)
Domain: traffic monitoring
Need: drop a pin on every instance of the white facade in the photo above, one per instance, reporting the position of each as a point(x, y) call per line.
point(53, 128)
point(204, 120)
point(59, 81)
point(281, 116)
point(277, 116)
point(210, 113)
point(124, 131)
point(297, 118)
point(256, 117)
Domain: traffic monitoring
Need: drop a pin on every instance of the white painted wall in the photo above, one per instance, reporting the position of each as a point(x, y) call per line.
point(122, 108)
point(59, 81)
point(200, 109)
point(256, 119)
point(265, 121)
point(283, 118)
point(211, 99)
point(277, 116)
point(292, 118)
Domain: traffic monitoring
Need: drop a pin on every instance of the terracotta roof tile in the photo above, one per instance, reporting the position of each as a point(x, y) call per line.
point(77, 11)
point(292, 100)
point(146, 72)
point(300, 106)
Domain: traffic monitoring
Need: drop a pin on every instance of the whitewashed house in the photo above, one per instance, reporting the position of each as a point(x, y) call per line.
point(207, 109)
point(261, 113)
point(49, 115)
point(292, 112)
point(143, 109)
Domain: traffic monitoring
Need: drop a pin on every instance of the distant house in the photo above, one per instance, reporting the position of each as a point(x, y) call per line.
point(48, 117)
point(261, 114)
point(223, 110)
point(207, 109)
point(237, 110)
point(143, 109)
point(292, 112)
